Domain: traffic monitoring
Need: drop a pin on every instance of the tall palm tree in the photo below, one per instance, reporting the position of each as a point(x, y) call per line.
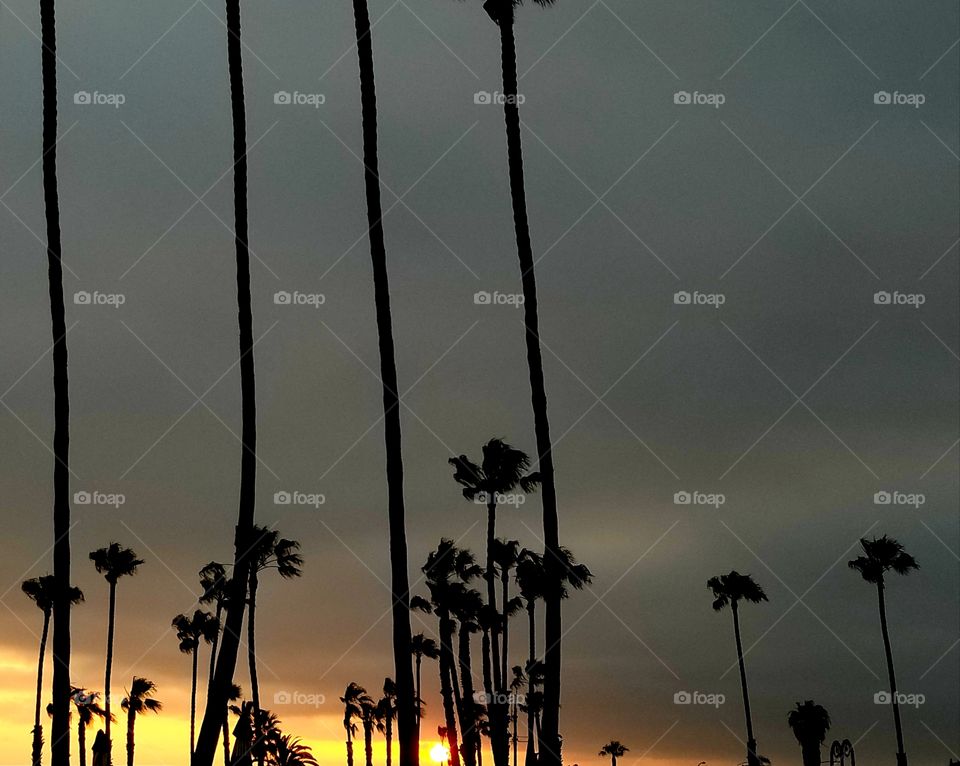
point(138, 700)
point(203, 626)
point(354, 700)
point(730, 589)
point(615, 750)
point(369, 719)
point(881, 555)
point(113, 562)
point(407, 732)
point(236, 605)
point(269, 551)
point(42, 591)
point(517, 684)
point(421, 646)
point(88, 710)
point(60, 726)
point(214, 586)
point(387, 714)
point(810, 723)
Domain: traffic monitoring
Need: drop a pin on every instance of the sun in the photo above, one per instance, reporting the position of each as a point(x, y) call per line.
point(439, 753)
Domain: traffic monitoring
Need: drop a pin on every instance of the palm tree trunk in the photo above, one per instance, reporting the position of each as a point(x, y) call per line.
point(349, 748)
point(468, 722)
point(193, 703)
point(400, 586)
point(613, 760)
point(252, 662)
point(213, 648)
point(37, 753)
point(550, 750)
point(901, 755)
point(447, 684)
point(419, 660)
point(82, 742)
point(368, 743)
point(810, 752)
point(490, 577)
point(111, 624)
point(752, 757)
point(505, 653)
point(389, 738)
point(530, 756)
point(226, 738)
point(131, 722)
point(229, 646)
point(60, 727)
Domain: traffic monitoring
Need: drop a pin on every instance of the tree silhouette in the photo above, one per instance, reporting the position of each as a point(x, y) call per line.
point(387, 714)
point(138, 700)
point(88, 710)
point(354, 700)
point(236, 604)
point(517, 684)
point(235, 695)
point(42, 591)
point(421, 646)
point(730, 589)
point(615, 750)
point(203, 626)
point(268, 551)
point(882, 555)
point(505, 554)
point(113, 562)
point(466, 607)
point(289, 751)
point(214, 586)
point(60, 727)
point(810, 723)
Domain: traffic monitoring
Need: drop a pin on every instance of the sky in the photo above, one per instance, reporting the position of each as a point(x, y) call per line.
point(790, 167)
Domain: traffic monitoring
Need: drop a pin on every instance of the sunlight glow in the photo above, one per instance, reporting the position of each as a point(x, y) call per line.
point(439, 753)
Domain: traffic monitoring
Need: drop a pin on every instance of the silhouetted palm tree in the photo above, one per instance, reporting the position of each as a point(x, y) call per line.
point(354, 700)
point(505, 553)
point(138, 700)
point(203, 626)
point(421, 646)
point(214, 586)
point(810, 724)
point(60, 727)
point(517, 684)
point(88, 709)
point(881, 555)
point(235, 695)
point(113, 562)
point(269, 551)
point(387, 714)
point(466, 609)
point(730, 589)
point(615, 750)
point(399, 579)
point(236, 604)
point(42, 591)
point(369, 719)
point(289, 751)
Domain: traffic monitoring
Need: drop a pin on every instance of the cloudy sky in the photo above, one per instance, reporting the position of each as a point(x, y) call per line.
point(814, 167)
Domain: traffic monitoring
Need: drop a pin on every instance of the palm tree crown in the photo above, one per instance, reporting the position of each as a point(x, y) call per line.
point(203, 626)
point(140, 697)
point(881, 555)
point(810, 722)
point(730, 588)
point(114, 562)
point(502, 470)
point(41, 590)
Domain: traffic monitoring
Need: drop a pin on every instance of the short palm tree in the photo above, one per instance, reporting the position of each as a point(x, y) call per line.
point(730, 589)
point(370, 720)
point(138, 700)
point(42, 591)
point(615, 750)
point(88, 710)
point(882, 555)
point(355, 699)
point(203, 626)
point(113, 562)
point(387, 714)
point(269, 551)
point(422, 646)
point(289, 751)
point(466, 609)
point(810, 723)
point(214, 586)
point(235, 695)
point(505, 555)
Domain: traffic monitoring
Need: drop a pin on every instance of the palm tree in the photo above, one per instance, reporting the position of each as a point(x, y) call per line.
point(354, 700)
point(881, 555)
point(138, 700)
point(236, 604)
point(505, 554)
point(466, 609)
point(289, 751)
point(731, 589)
point(235, 695)
point(387, 714)
point(269, 551)
point(190, 631)
point(214, 586)
point(87, 710)
point(407, 730)
point(517, 684)
point(60, 727)
point(369, 718)
point(810, 724)
point(615, 750)
point(42, 591)
point(421, 646)
point(113, 562)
